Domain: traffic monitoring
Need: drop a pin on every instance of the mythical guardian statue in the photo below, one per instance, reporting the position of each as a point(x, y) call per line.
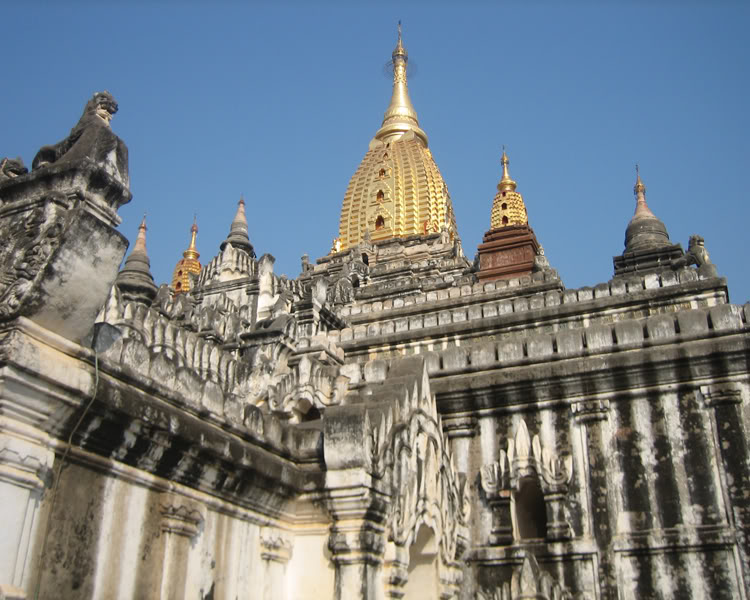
point(91, 139)
point(696, 255)
point(10, 168)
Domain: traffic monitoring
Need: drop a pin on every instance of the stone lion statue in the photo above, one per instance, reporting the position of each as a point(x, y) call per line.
point(697, 255)
point(91, 139)
point(10, 168)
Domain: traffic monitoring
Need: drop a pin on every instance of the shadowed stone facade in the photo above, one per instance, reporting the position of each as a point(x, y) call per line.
point(389, 424)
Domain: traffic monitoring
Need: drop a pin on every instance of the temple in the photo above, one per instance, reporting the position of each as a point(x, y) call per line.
point(397, 421)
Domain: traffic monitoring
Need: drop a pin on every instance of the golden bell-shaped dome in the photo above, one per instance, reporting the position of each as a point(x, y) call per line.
point(508, 207)
point(188, 264)
point(397, 190)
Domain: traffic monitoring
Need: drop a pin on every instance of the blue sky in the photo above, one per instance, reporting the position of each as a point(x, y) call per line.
point(279, 102)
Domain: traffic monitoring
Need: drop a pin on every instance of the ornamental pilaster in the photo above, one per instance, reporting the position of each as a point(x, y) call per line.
point(276, 551)
point(25, 472)
point(181, 523)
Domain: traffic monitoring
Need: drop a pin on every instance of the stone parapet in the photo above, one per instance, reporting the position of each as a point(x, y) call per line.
point(507, 316)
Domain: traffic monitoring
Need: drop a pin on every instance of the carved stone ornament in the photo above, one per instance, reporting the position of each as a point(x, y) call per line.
point(30, 239)
point(529, 582)
point(411, 455)
point(527, 458)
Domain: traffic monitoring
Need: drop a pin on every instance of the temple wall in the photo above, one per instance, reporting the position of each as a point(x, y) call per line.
point(120, 535)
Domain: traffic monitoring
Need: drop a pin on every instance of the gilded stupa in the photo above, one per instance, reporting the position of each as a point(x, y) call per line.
point(398, 190)
point(188, 264)
point(508, 207)
point(510, 247)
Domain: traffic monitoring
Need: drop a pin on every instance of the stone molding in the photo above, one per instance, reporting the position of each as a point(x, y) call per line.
point(25, 455)
point(276, 545)
point(460, 427)
point(588, 411)
point(181, 516)
point(721, 394)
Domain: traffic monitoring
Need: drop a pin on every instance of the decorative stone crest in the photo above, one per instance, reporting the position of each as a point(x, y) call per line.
point(529, 582)
point(527, 459)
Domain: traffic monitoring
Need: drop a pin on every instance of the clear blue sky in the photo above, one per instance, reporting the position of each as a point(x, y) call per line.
point(279, 102)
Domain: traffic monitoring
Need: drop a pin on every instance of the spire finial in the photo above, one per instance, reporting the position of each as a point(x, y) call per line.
point(639, 188)
point(506, 183)
point(140, 241)
point(400, 115)
point(192, 251)
point(641, 208)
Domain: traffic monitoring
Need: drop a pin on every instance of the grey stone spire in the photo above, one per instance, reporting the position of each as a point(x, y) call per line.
point(647, 244)
point(135, 280)
point(238, 236)
point(645, 230)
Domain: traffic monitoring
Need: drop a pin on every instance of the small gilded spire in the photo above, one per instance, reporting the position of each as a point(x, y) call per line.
point(508, 208)
point(238, 236)
point(641, 208)
point(400, 115)
point(506, 183)
point(192, 251)
point(187, 265)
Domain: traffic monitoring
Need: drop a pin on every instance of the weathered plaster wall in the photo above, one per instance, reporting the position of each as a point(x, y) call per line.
point(120, 538)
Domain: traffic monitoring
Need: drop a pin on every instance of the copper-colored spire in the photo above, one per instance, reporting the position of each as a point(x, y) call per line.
point(400, 115)
point(140, 241)
point(641, 208)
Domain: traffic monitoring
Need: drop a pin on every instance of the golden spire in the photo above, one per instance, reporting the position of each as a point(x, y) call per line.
point(188, 264)
point(398, 190)
point(400, 115)
point(641, 208)
point(506, 183)
point(508, 207)
point(192, 252)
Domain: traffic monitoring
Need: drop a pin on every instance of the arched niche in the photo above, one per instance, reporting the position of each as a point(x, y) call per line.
point(422, 583)
point(530, 510)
